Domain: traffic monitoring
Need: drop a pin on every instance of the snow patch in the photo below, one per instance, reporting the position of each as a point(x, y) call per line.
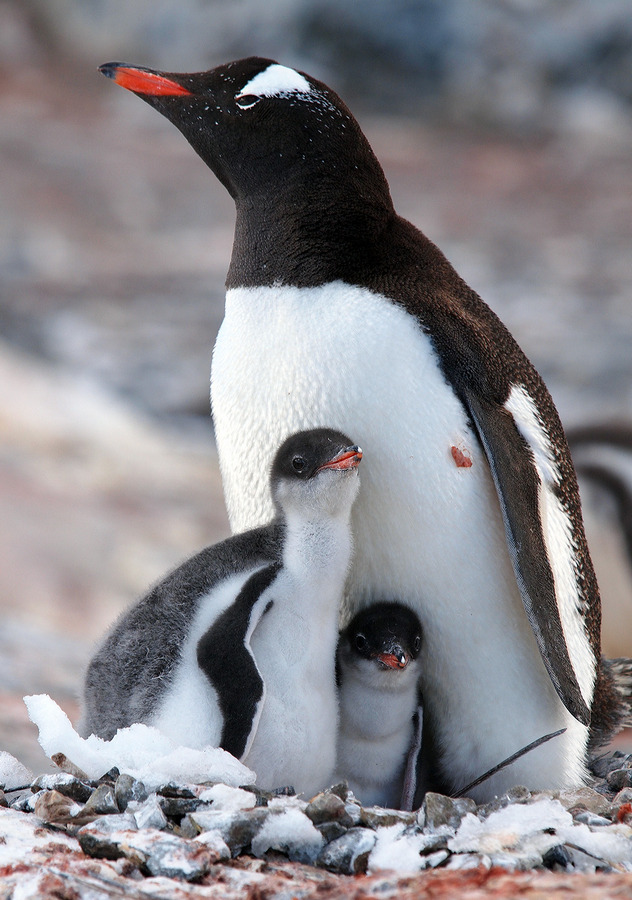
point(507, 828)
point(398, 850)
point(607, 843)
point(140, 751)
point(228, 799)
point(292, 832)
point(21, 835)
point(12, 773)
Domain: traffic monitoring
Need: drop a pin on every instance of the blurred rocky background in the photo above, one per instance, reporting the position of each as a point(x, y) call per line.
point(505, 129)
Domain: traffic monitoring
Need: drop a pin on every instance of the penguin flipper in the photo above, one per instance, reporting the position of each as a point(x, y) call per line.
point(518, 482)
point(411, 771)
point(224, 655)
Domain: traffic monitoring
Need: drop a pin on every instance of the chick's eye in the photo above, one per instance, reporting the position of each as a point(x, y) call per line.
point(245, 101)
point(298, 464)
point(417, 644)
point(361, 642)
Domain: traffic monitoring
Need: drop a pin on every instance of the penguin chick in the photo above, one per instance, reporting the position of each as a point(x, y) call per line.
point(236, 647)
point(378, 673)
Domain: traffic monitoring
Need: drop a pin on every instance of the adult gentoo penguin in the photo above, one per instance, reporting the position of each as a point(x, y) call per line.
point(236, 647)
point(380, 709)
point(340, 311)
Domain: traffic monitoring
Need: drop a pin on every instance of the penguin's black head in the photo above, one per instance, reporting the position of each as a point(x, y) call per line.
point(307, 453)
point(312, 467)
point(263, 128)
point(389, 634)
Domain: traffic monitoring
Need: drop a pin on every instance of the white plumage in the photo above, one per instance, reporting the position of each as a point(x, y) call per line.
point(426, 531)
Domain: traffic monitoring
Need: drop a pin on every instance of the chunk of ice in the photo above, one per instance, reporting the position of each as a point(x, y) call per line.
point(12, 773)
point(140, 751)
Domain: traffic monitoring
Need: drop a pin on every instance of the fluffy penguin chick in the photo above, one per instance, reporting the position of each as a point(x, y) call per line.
point(378, 671)
point(236, 647)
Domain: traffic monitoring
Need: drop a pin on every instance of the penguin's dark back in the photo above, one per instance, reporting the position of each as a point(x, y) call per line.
point(129, 673)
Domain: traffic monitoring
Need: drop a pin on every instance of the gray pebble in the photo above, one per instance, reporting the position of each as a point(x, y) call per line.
point(25, 802)
point(620, 778)
point(262, 797)
point(378, 817)
point(341, 789)
point(354, 811)
point(65, 784)
point(149, 814)
point(127, 789)
point(328, 807)
point(624, 796)
point(586, 817)
point(438, 812)
point(102, 801)
point(173, 789)
point(96, 839)
point(431, 843)
point(433, 860)
point(331, 830)
point(584, 862)
point(521, 861)
point(348, 854)
point(585, 798)
point(173, 857)
point(557, 857)
point(602, 765)
point(236, 828)
point(187, 829)
point(177, 807)
point(153, 851)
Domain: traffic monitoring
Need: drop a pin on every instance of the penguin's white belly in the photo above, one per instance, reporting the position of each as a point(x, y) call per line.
point(376, 730)
point(426, 531)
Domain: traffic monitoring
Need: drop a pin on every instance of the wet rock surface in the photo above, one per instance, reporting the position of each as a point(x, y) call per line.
point(212, 834)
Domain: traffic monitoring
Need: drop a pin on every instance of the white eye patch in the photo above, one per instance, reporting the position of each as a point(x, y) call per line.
point(275, 81)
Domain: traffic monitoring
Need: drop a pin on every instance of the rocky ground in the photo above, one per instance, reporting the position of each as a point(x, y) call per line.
point(66, 836)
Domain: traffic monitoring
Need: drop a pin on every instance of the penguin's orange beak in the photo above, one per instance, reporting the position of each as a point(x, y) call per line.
point(346, 459)
point(394, 660)
point(143, 81)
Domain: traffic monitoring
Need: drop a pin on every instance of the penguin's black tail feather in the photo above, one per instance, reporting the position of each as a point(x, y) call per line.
point(507, 762)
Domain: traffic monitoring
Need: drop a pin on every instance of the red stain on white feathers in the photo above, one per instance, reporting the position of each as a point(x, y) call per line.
point(461, 457)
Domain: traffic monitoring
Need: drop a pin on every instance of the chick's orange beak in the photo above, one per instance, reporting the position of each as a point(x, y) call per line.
point(394, 660)
point(346, 459)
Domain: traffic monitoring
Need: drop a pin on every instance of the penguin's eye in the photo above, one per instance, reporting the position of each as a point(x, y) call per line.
point(417, 644)
point(361, 642)
point(298, 464)
point(246, 101)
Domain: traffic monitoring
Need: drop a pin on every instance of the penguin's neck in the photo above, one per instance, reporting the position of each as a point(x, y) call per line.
point(317, 546)
point(377, 704)
point(310, 232)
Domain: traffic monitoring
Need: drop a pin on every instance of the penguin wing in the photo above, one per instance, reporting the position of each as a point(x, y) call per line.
point(224, 655)
point(410, 785)
point(519, 482)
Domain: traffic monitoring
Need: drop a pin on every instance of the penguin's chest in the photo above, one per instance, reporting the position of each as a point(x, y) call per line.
point(339, 356)
point(294, 648)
